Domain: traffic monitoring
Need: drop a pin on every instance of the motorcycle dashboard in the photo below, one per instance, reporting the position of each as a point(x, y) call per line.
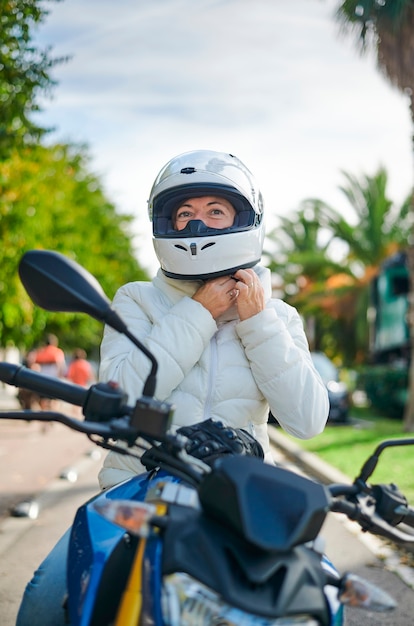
point(273, 508)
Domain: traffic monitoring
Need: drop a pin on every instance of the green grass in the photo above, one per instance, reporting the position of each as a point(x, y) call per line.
point(348, 447)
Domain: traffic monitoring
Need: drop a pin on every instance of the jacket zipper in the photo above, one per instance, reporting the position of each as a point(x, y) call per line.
point(211, 377)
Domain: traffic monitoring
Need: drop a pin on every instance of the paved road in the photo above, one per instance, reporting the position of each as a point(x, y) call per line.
point(32, 460)
point(24, 542)
point(30, 457)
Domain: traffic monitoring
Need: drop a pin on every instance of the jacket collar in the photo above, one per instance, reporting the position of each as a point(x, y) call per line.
point(177, 289)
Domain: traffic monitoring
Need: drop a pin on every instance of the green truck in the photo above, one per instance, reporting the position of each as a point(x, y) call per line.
point(386, 380)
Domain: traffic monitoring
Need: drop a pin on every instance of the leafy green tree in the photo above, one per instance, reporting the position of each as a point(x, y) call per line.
point(48, 197)
point(50, 200)
point(24, 72)
point(388, 28)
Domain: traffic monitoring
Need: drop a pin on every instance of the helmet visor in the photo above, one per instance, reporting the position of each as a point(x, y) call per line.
point(168, 202)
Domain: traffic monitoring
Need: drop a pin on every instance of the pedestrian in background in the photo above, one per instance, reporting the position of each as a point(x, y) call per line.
point(51, 361)
point(51, 358)
point(29, 400)
point(80, 371)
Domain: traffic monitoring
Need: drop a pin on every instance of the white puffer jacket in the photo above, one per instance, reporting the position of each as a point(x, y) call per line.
point(225, 369)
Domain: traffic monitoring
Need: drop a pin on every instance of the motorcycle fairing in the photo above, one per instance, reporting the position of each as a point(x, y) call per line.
point(100, 554)
point(246, 575)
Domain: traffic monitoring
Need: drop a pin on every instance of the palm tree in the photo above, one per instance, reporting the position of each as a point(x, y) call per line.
point(300, 254)
point(388, 27)
point(378, 228)
point(331, 289)
point(299, 257)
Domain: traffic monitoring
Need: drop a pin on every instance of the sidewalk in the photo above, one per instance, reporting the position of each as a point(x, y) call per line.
point(24, 542)
point(33, 454)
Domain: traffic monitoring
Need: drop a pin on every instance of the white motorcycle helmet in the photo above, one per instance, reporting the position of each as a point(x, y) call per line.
point(198, 252)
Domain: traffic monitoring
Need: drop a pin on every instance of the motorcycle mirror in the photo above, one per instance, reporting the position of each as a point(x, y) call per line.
point(371, 463)
point(57, 283)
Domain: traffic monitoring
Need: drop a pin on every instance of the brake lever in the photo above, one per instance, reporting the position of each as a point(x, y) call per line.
point(408, 514)
point(363, 511)
point(379, 526)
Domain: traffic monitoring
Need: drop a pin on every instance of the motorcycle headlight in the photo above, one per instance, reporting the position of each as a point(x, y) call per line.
point(187, 602)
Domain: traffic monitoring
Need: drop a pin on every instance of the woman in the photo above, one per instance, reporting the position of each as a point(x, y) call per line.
point(226, 350)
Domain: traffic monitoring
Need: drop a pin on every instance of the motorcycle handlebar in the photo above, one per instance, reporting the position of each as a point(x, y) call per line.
point(363, 511)
point(20, 376)
point(408, 514)
point(100, 402)
point(105, 402)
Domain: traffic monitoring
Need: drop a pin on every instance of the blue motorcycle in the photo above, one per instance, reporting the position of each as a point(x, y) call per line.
point(225, 540)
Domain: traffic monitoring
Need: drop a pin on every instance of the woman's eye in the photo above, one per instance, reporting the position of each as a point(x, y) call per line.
point(182, 215)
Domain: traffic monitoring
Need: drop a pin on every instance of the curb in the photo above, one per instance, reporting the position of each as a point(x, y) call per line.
point(321, 470)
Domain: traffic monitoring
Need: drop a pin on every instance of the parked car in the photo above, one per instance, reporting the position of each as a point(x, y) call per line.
point(339, 397)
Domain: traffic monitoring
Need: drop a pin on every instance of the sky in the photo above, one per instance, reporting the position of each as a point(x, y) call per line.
point(273, 82)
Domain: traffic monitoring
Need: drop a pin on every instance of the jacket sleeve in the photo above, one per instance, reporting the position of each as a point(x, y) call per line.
point(168, 337)
point(124, 363)
point(277, 349)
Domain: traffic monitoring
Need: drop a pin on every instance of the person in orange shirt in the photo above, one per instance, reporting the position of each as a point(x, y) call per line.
point(80, 371)
point(50, 360)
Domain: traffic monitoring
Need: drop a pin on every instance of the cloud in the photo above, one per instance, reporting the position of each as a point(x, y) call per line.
point(270, 81)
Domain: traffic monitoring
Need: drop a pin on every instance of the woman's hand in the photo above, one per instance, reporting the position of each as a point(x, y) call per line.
point(217, 295)
point(243, 289)
point(250, 299)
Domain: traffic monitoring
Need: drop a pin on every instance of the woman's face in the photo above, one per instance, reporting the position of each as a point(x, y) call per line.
point(214, 211)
